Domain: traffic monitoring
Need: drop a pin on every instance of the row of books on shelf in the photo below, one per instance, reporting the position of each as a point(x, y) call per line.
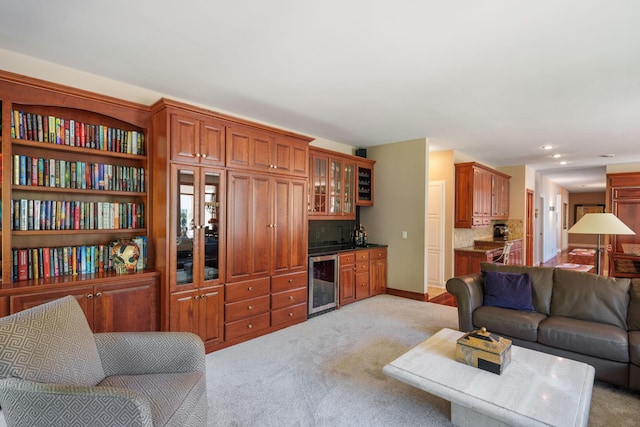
point(35, 263)
point(30, 214)
point(61, 131)
point(36, 171)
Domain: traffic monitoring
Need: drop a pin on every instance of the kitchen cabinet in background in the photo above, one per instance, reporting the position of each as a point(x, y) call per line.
point(481, 195)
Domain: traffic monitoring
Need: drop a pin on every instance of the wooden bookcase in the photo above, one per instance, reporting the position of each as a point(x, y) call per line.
point(94, 150)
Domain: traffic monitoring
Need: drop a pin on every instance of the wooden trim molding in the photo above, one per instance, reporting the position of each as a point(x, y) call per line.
point(408, 294)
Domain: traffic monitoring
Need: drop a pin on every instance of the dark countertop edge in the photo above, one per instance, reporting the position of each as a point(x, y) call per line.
point(337, 251)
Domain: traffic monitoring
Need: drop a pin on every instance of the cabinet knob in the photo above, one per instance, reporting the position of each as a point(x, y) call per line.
point(197, 297)
point(197, 154)
point(290, 314)
point(290, 280)
point(204, 155)
point(203, 296)
point(291, 297)
point(250, 308)
point(249, 326)
point(89, 296)
point(250, 288)
point(98, 294)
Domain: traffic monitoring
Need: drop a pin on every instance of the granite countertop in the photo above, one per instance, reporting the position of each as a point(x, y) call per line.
point(497, 244)
point(474, 249)
point(347, 247)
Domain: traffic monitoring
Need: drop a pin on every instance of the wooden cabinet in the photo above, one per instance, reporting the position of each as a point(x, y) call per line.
point(126, 304)
point(623, 200)
point(468, 262)
point(263, 151)
point(347, 279)
point(75, 171)
point(288, 299)
point(199, 311)
point(334, 184)
point(362, 274)
point(197, 138)
point(378, 271)
point(364, 177)
point(247, 308)
point(481, 195)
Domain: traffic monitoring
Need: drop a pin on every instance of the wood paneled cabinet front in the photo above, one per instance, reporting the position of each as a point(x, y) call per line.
point(128, 305)
point(623, 200)
point(200, 311)
point(378, 271)
point(196, 138)
point(347, 278)
point(481, 195)
point(263, 151)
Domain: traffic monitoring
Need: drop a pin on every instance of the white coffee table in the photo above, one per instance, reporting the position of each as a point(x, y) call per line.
point(536, 389)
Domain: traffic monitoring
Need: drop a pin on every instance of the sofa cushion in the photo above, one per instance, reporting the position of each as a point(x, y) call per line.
point(587, 296)
point(541, 282)
point(581, 336)
point(634, 347)
point(507, 290)
point(633, 314)
point(514, 323)
point(173, 397)
point(50, 343)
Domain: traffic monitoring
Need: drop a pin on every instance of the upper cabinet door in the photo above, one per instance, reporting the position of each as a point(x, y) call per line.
point(197, 139)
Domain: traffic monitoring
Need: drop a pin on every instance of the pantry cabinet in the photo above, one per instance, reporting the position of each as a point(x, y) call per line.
point(481, 195)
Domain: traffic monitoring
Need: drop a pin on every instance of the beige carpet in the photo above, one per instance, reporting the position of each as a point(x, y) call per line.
point(327, 372)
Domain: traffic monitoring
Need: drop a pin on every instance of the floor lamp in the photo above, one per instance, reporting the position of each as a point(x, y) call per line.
point(600, 223)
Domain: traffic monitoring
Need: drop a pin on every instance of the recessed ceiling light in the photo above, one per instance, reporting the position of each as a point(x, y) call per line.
point(548, 147)
point(556, 156)
point(607, 155)
point(564, 162)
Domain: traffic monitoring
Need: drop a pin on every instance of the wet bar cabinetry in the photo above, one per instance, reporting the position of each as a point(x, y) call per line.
point(363, 273)
point(230, 198)
point(75, 175)
point(481, 195)
point(338, 183)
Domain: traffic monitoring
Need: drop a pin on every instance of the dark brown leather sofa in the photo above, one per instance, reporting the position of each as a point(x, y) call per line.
point(580, 316)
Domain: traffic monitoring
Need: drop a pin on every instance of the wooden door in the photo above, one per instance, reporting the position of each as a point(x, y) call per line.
point(83, 294)
point(290, 236)
point(211, 314)
point(126, 307)
point(249, 226)
point(212, 143)
point(185, 137)
point(347, 278)
point(184, 315)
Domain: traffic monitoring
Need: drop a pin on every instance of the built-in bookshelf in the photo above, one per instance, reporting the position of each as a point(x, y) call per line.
point(76, 184)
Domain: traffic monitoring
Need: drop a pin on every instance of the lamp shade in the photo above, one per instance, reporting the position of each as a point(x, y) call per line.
point(600, 223)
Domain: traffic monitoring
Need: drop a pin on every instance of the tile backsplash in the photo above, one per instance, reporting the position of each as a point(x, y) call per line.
point(464, 237)
point(326, 233)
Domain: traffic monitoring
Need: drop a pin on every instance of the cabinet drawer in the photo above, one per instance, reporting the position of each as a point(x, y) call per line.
point(362, 256)
point(245, 290)
point(246, 326)
point(289, 281)
point(289, 314)
point(346, 259)
point(362, 267)
point(285, 299)
point(376, 254)
point(247, 308)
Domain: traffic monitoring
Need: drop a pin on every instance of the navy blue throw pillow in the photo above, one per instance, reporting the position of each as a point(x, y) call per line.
point(508, 290)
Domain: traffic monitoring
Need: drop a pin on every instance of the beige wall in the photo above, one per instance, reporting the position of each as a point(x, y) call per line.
point(400, 196)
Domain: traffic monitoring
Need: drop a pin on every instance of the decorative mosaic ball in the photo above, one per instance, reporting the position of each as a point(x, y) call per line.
point(125, 257)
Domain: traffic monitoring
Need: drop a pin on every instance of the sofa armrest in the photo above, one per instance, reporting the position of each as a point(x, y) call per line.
point(139, 353)
point(66, 405)
point(469, 296)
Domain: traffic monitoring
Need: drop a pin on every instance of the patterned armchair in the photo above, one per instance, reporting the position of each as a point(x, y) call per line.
point(54, 371)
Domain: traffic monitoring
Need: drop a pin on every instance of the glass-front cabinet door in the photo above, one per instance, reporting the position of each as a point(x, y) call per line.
point(335, 187)
point(349, 189)
point(197, 222)
point(318, 188)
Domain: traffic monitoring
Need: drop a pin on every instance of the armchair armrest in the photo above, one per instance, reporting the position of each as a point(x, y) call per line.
point(469, 296)
point(138, 353)
point(66, 405)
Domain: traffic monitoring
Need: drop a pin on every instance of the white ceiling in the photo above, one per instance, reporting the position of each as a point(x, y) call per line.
point(494, 79)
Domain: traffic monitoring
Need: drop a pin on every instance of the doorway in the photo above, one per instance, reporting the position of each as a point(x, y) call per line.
point(435, 233)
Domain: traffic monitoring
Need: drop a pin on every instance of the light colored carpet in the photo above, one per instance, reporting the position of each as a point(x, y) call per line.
point(327, 371)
